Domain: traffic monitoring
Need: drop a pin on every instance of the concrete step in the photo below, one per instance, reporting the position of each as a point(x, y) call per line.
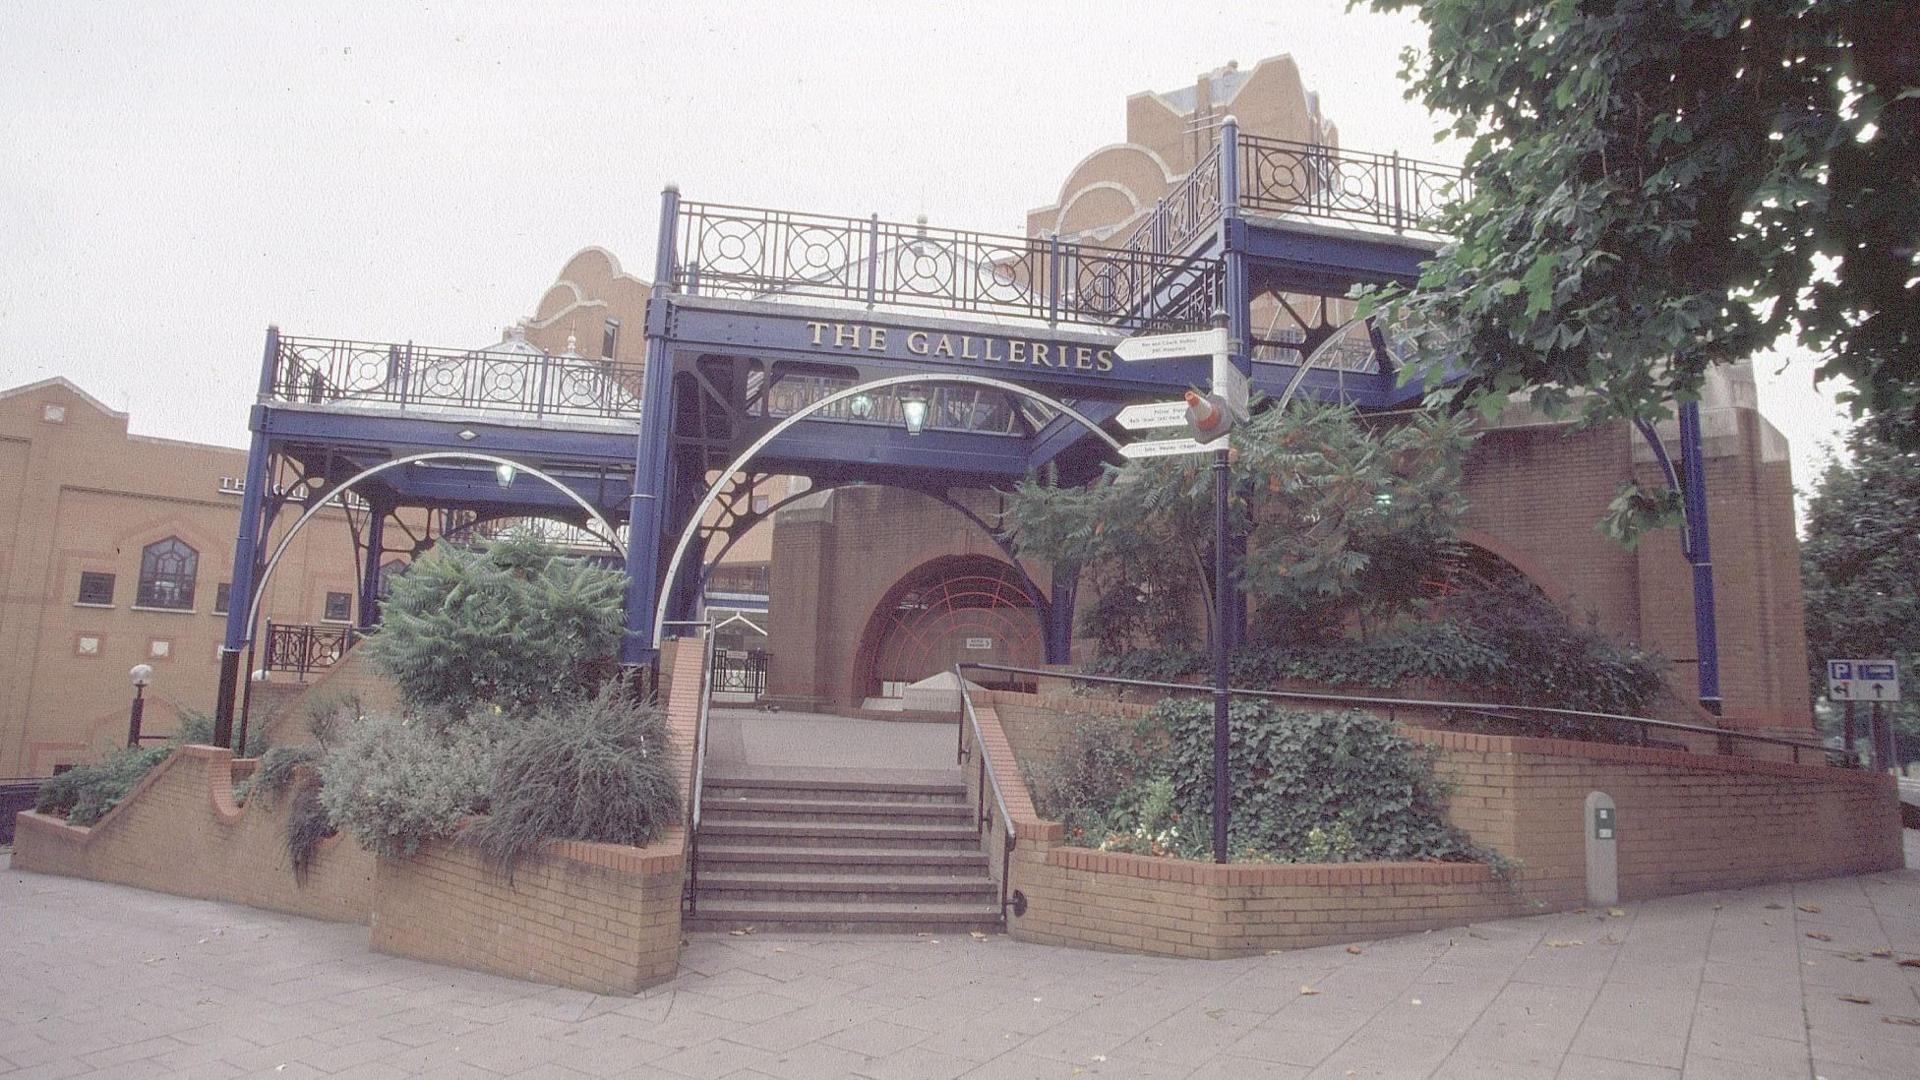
point(768, 916)
point(833, 789)
point(862, 889)
point(761, 832)
point(719, 858)
point(851, 812)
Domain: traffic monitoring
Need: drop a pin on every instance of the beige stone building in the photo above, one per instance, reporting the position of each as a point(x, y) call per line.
point(118, 549)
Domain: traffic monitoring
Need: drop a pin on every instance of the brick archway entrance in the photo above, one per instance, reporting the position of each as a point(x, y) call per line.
point(960, 607)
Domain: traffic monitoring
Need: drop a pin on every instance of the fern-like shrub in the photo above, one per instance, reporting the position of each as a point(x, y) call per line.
point(508, 625)
point(586, 769)
point(394, 785)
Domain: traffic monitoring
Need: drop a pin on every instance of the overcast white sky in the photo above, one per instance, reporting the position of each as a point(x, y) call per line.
point(177, 176)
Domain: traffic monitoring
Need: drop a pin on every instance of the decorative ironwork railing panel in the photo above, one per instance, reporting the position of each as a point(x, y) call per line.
point(760, 254)
point(414, 377)
point(1186, 212)
point(740, 673)
point(306, 649)
point(1399, 193)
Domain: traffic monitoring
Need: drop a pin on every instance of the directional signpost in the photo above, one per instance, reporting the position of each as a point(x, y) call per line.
point(1229, 396)
point(1871, 681)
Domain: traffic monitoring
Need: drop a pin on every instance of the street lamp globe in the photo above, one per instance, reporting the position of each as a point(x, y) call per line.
point(142, 675)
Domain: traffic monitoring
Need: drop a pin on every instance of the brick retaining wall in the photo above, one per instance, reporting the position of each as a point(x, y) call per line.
point(1685, 822)
point(598, 917)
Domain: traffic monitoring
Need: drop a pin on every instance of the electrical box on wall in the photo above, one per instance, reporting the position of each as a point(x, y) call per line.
point(1603, 823)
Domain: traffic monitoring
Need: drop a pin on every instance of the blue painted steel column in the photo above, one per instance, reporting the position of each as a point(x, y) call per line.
point(1059, 643)
point(647, 509)
point(370, 573)
point(1239, 306)
point(246, 543)
point(1706, 635)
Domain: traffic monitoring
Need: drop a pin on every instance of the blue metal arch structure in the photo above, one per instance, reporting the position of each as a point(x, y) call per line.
point(756, 313)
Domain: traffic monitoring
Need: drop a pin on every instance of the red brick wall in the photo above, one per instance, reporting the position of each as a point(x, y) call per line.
point(1685, 822)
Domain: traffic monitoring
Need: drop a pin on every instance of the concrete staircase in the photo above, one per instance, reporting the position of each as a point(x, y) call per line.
point(841, 850)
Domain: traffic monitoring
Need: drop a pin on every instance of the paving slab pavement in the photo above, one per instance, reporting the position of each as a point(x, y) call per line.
point(104, 981)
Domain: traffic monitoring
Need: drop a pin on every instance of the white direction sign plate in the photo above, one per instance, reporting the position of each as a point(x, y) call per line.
point(1169, 448)
point(1173, 346)
point(1156, 414)
point(1863, 680)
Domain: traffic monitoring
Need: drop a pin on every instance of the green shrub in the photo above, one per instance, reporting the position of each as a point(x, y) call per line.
point(307, 826)
point(87, 792)
point(1297, 772)
point(509, 625)
point(589, 769)
point(275, 770)
point(1105, 760)
point(196, 729)
point(1307, 787)
point(394, 785)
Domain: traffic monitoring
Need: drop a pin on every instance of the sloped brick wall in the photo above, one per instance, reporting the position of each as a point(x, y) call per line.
point(180, 832)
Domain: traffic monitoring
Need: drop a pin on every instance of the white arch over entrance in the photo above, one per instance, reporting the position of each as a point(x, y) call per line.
point(334, 496)
point(692, 528)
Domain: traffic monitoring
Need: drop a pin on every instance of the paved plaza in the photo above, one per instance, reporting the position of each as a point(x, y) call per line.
point(1784, 981)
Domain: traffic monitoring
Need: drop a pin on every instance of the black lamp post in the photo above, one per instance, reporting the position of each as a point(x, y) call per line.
point(142, 675)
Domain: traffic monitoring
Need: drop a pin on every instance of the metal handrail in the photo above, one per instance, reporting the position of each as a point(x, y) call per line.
point(699, 766)
point(1498, 710)
point(987, 777)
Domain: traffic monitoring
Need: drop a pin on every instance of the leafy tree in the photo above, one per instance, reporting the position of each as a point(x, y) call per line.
point(1339, 518)
point(507, 625)
point(1659, 186)
point(1860, 564)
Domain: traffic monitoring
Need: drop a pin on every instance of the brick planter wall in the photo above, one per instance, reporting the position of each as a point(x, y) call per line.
point(596, 917)
point(180, 832)
point(1685, 822)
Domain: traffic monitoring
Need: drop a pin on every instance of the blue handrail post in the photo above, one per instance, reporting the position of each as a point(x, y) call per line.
point(1699, 552)
point(648, 504)
point(245, 543)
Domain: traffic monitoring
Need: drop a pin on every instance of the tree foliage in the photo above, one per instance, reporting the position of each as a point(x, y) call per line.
point(1338, 517)
point(1663, 185)
point(506, 624)
point(1860, 565)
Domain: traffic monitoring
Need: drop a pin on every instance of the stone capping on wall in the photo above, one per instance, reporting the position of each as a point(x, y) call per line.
point(1471, 742)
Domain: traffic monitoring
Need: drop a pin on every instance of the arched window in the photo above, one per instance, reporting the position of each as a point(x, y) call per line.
point(167, 569)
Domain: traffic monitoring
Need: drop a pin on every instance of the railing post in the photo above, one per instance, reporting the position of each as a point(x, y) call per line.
point(1053, 279)
point(873, 259)
point(1159, 233)
point(1398, 198)
point(1230, 167)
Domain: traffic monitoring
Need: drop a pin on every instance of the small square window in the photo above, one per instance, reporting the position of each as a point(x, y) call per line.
point(53, 414)
point(95, 588)
point(222, 597)
point(159, 649)
point(761, 502)
point(339, 607)
point(86, 645)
